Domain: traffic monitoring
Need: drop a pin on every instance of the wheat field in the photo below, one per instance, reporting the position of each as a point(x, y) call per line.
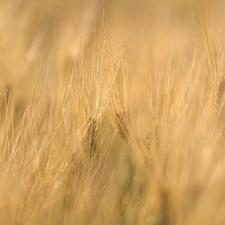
point(112, 112)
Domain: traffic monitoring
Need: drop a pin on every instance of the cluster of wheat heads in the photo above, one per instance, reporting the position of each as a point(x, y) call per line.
point(132, 129)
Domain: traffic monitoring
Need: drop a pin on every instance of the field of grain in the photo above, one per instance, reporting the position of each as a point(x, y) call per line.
point(112, 112)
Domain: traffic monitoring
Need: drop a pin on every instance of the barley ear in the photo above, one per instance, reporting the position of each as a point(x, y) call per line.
point(220, 104)
point(122, 125)
point(92, 128)
point(164, 206)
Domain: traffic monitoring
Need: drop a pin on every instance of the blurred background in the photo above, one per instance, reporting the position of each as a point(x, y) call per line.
point(54, 32)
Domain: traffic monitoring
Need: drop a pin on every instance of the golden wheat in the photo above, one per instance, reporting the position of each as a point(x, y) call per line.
point(111, 112)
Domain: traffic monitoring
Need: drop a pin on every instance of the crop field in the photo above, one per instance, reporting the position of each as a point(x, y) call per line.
point(112, 112)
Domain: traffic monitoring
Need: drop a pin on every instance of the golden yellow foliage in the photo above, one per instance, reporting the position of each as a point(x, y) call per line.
point(111, 112)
